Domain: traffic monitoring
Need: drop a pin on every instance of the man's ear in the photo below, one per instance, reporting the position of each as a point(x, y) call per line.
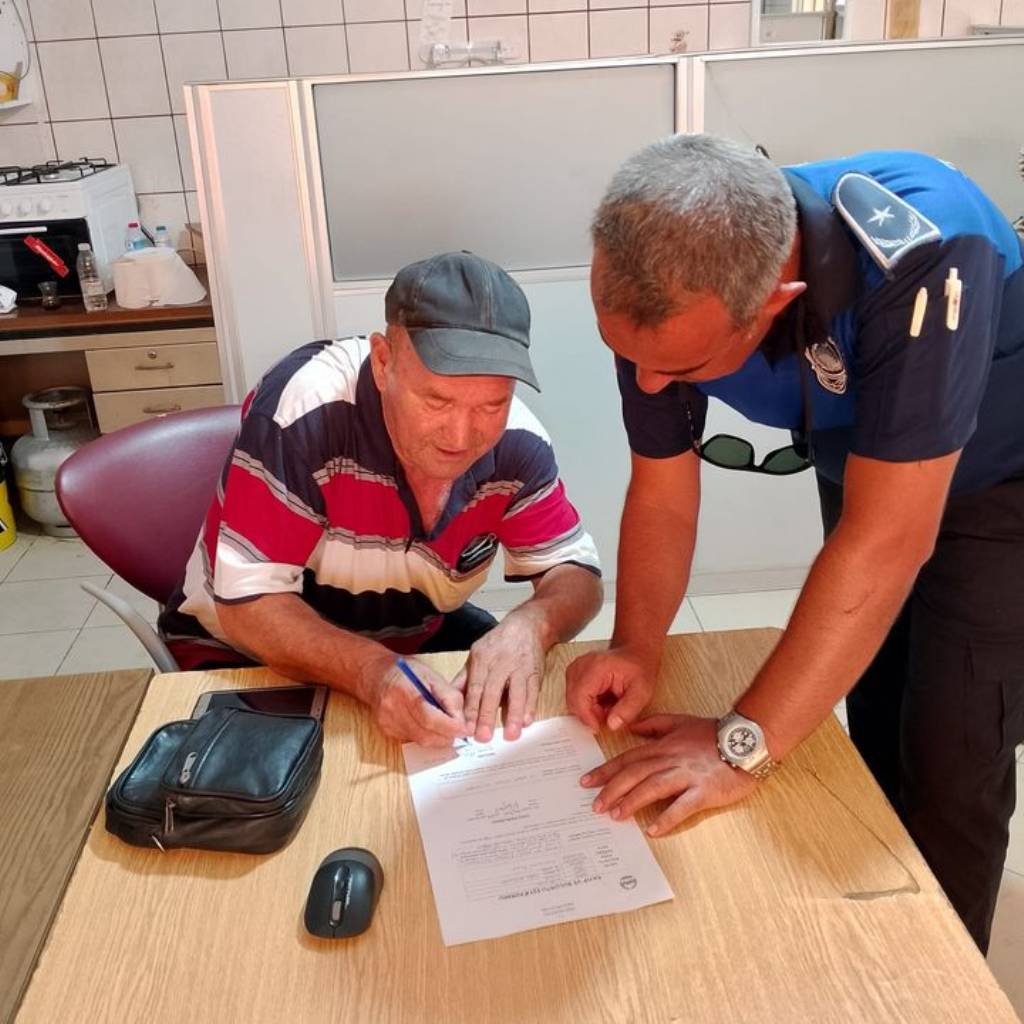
point(785, 292)
point(381, 357)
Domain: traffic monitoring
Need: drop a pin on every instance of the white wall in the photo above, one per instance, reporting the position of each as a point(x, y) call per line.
point(272, 292)
point(108, 74)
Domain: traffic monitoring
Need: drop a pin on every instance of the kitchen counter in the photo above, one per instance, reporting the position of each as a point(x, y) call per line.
point(30, 320)
point(139, 363)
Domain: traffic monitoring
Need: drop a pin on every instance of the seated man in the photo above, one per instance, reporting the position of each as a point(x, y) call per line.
point(369, 488)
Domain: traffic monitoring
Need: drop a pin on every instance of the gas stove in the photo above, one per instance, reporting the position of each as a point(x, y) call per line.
point(54, 171)
point(62, 203)
point(60, 189)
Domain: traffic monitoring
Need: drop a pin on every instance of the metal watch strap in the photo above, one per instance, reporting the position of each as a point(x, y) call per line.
point(765, 770)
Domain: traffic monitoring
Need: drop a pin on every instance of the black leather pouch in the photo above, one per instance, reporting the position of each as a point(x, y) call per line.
point(231, 780)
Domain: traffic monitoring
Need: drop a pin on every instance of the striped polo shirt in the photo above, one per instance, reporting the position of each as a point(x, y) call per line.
point(313, 501)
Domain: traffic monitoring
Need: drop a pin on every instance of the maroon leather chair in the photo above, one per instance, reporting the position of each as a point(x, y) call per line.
point(137, 498)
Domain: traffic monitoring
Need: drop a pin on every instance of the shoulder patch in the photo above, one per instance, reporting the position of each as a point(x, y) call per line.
point(887, 226)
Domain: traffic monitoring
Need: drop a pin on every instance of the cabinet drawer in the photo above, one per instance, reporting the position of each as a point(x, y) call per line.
point(117, 409)
point(156, 366)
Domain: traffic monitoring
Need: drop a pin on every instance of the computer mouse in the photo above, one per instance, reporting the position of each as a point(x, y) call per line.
point(344, 894)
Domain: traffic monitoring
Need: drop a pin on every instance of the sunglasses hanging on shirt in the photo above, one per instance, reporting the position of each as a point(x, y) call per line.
point(730, 452)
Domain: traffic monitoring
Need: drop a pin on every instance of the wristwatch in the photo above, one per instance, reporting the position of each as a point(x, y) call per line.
point(741, 744)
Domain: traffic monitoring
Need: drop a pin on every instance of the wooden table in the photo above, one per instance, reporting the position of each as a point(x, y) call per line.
point(59, 739)
point(808, 903)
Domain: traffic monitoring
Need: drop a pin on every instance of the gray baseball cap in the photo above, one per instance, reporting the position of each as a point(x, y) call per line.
point(465, 317)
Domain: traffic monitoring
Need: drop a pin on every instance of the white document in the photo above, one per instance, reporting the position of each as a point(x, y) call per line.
point(511, 840)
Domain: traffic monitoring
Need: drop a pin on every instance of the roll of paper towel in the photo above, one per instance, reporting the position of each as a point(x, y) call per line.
point(154, 277)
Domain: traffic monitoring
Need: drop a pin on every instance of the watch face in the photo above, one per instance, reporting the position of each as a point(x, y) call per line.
point(741, 741)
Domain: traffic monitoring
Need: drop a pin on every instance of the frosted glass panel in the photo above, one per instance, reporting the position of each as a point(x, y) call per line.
point(959, 103)
point(509, 165)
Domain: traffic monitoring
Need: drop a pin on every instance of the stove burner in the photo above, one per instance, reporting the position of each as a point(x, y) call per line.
point(53, 171)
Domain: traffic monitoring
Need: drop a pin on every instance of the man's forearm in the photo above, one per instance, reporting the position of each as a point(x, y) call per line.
point(851, 598)
point(565, 599)
point(289, 637)
point(655, 554)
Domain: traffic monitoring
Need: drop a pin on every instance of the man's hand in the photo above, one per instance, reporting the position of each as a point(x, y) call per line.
point(402, 713)
point(510, 656)
point(615, 685)
point(681, 760)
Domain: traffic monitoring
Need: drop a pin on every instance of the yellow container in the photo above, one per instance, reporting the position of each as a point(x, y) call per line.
point(8, 530)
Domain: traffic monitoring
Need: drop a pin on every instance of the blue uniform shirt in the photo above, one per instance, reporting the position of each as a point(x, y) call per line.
point(896, 398)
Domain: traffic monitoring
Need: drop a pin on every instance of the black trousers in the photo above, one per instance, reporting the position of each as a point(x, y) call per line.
point(939, 712)
point(460, 630)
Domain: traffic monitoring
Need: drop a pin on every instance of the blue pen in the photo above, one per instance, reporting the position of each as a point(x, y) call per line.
point(460, 741)
point(424, 692)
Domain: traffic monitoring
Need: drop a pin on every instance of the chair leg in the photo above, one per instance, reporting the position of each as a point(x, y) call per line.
point(147, 636)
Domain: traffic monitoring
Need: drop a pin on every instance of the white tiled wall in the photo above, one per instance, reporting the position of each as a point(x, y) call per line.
point(108, 74)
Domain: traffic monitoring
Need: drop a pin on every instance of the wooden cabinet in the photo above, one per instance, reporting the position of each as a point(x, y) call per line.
point(134, 375)
point(145, 374)
point(154, 366)
point(117, 409)
point(139, 363)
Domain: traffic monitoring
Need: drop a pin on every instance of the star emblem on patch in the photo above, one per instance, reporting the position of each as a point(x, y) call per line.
point(886, 224)
point(879, 217)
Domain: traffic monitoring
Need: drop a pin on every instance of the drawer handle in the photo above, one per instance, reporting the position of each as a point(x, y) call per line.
point(160, 410)
point(154, 366)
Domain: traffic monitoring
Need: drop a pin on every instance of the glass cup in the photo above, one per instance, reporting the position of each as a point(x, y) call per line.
point(51, 300)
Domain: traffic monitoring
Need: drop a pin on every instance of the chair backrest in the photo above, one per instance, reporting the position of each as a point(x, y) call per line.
point(137, 497)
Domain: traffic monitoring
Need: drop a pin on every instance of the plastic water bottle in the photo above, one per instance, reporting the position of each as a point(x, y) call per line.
point(162, 237)
point(94, 294)
point(134, 238)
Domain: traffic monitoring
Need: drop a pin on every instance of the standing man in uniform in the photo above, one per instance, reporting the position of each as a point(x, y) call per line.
point(874, 305)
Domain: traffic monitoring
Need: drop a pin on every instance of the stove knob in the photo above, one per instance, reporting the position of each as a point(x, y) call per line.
point(6, 209)
point(24, 208)
point(44, 205)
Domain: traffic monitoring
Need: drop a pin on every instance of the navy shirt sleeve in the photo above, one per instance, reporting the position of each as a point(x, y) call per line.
point(658, 425)
point(918, 398)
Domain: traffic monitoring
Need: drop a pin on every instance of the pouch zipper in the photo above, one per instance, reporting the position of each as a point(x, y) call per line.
point(186, 771)
point(193, 756)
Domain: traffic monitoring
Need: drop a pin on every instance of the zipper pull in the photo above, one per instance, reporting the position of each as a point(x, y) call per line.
point(169, 817)
point(186, 771)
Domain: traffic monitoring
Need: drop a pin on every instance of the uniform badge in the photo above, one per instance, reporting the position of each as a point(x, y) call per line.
point(887, 226)
point(479, 550)
point(828, 365)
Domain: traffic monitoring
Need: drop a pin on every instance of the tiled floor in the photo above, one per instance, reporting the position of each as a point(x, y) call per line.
point(49, 625)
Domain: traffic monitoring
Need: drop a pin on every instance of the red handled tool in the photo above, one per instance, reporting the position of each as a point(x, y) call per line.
point(42, 249)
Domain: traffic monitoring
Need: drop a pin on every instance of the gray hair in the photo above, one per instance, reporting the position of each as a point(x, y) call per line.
point(689, 215)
